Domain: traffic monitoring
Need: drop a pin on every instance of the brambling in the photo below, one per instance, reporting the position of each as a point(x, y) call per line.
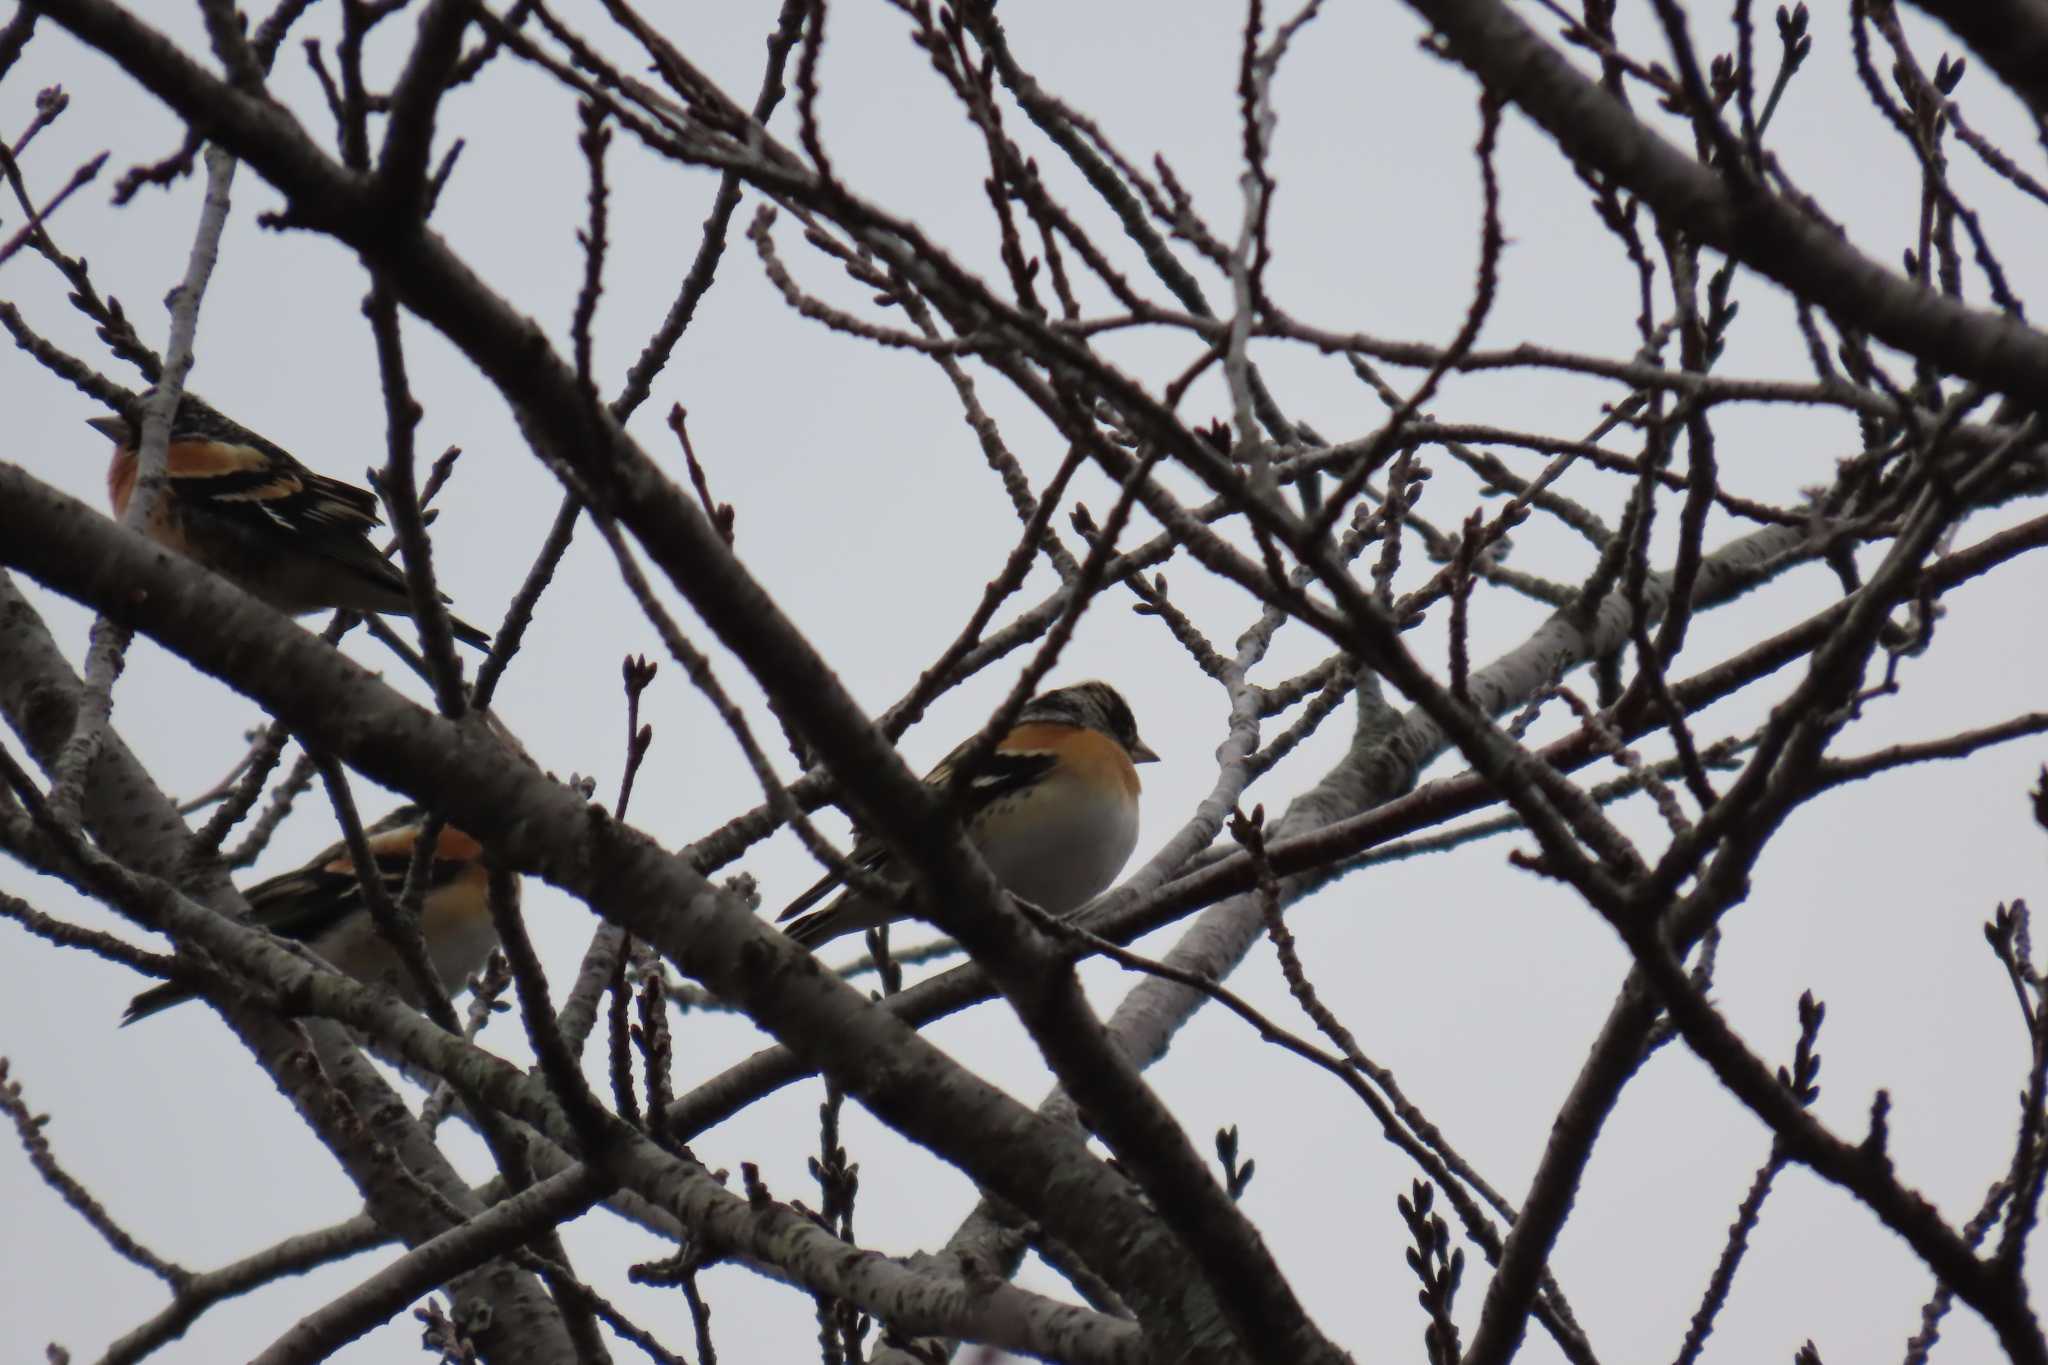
point(247, 510)
point(1053, 811)
point(321, 905)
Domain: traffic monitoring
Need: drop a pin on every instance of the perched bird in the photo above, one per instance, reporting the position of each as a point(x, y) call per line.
point(1053, 811)
point(321, 905)
point(245, 509)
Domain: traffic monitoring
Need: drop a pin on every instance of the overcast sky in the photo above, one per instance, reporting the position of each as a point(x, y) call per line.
point(864, 506)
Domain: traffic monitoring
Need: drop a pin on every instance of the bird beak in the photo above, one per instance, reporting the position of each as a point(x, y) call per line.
point(1141, 752)
point(115, 429)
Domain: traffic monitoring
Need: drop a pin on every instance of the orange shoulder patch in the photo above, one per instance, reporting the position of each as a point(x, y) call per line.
point(457, 846)
point(1085, 753)
point(213, 459)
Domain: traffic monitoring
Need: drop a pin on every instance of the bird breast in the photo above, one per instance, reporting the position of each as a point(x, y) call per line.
point(459, 932)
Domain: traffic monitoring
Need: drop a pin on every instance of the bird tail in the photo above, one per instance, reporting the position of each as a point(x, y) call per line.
point(155, 1000)
point(850, 912)
point(817, 928)
point(469, 634)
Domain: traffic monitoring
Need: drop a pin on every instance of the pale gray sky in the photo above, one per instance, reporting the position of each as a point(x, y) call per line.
point(864, 506)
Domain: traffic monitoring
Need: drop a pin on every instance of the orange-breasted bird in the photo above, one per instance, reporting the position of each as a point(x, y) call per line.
point(322, 906)
point(1053, 811)
point(247, 510)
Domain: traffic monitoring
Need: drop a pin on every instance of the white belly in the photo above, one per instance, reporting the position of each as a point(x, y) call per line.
point(457, 946)
point(1063, 847)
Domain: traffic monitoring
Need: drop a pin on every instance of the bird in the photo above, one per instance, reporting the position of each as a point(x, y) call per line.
point(244, 508)
point(1053, 810)
point(322, 906)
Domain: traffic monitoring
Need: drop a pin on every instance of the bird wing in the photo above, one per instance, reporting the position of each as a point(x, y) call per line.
point(305, 903)
point(1003, 772)
point(248, 483)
